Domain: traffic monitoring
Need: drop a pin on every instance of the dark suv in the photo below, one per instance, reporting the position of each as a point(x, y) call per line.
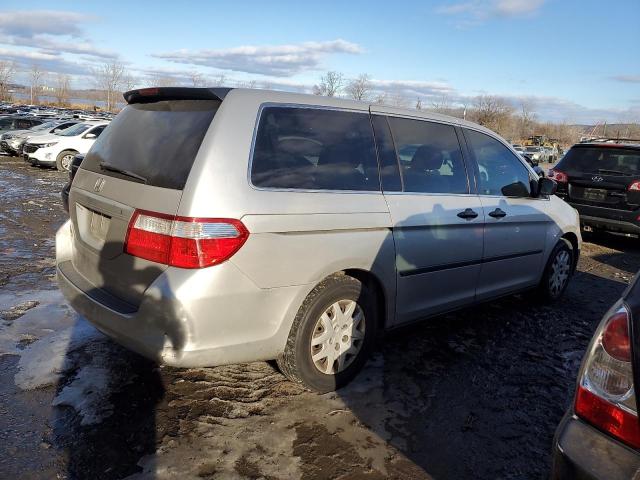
point(602, 181)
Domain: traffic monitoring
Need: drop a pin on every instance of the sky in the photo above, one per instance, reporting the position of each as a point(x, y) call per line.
point(576, 61)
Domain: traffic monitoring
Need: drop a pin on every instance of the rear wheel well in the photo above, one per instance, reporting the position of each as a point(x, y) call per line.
point(373, 283)
point(573, 240)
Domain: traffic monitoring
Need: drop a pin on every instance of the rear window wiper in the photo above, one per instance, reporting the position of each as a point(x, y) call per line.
point(613, 172)
point(111, 168)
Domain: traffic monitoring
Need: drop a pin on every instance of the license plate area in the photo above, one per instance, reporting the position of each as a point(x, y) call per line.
point(594, 194)
point(93, 226)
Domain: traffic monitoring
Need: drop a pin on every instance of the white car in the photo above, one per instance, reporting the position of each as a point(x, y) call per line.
point(58, 150)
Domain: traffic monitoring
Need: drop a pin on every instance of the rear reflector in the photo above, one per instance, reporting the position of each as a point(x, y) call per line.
point(184, 242)
point(614, 420)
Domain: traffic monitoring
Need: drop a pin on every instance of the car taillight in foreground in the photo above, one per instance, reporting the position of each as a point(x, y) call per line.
point(558, 176)
point(184, 242)
point(635, 185)
point(605, 396)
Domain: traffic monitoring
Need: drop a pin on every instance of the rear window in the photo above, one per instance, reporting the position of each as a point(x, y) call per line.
point(606, 160)
point(155, 143)
point(314, 149)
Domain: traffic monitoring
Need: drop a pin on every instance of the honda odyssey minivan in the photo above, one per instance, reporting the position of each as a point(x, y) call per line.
point(215, 226)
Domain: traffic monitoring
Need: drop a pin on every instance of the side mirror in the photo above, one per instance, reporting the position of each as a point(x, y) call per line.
point(546, 187)
point(90, 135)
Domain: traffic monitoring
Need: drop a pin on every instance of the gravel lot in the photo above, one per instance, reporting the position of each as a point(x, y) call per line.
point(476, 394)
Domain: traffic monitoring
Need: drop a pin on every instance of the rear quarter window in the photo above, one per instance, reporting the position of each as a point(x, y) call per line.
point(154, 141)
point(314, 149)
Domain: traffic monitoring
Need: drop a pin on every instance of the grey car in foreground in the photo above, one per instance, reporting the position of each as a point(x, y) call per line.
point(214, 226)
point(599, 437)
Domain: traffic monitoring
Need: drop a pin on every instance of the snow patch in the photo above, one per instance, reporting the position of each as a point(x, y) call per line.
point(42, 362)
point(88, 392)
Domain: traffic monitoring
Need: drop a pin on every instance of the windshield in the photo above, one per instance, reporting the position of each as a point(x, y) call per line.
point(75, 130)
point(607, 160)
point(533, 149)
point(43, 126)
point(157, 142)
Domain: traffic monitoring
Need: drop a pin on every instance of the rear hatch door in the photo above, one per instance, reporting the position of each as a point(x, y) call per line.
point(602, 175)
point(141, 161)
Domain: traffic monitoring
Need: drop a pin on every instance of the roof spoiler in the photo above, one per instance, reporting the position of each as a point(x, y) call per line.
point(155, 94)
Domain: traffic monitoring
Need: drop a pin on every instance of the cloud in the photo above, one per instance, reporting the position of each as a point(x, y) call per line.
point(478, 11)
point(27, 24)
point(51, 32)
point(275, 60)
point(626, 78)
point(47, 62)
point(413, 88)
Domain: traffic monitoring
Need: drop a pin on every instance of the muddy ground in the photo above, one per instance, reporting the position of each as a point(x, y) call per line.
point(476, 394)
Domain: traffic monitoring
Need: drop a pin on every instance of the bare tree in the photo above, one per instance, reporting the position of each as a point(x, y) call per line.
point(35, 76)
point(330, 84)
point(399, 100)
point(7, 72)
point(62, 88)
point(196, 79)
point(527, 118)
point(418, 104)
point(382, 98)
point(360, 87)
point(109, 78)
point(441, 104)
point(492, 112)
point(160, 80)
point(128, 82)
point(220, 80)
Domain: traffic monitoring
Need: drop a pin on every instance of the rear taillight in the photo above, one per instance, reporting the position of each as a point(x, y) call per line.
point(635, 185)
point(558, 176)
point(605, 396)
point(183, 241)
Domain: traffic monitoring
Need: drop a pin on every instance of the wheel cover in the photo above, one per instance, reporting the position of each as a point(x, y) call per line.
point(560, 270)
point(66, 161)
point(338, 337)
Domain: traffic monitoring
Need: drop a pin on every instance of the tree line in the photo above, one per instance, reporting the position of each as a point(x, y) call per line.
point(513, 121)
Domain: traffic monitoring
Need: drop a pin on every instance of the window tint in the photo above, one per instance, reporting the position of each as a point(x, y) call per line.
point(308, 148)
point(157, 141)
point(607, 160)
point(499, 171)
point(429, 155)
point(98, 130)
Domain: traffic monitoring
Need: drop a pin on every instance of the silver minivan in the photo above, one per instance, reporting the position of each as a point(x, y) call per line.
point(215, 226)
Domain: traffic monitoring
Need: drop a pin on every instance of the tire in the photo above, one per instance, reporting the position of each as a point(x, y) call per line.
point(557, 272)
point(318, 310)
point(64, 159)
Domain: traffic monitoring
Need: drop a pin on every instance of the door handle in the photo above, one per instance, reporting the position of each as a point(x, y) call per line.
point(468, 214)
point(498, 213)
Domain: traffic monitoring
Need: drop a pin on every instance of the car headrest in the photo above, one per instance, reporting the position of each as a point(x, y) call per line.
point(427, 158)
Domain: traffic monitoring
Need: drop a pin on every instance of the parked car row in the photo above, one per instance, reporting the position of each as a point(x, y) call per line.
point(48, 141)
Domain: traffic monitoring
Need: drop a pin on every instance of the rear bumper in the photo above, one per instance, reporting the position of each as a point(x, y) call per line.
point(608, 218)
point(187, 318)
point(580, 451)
